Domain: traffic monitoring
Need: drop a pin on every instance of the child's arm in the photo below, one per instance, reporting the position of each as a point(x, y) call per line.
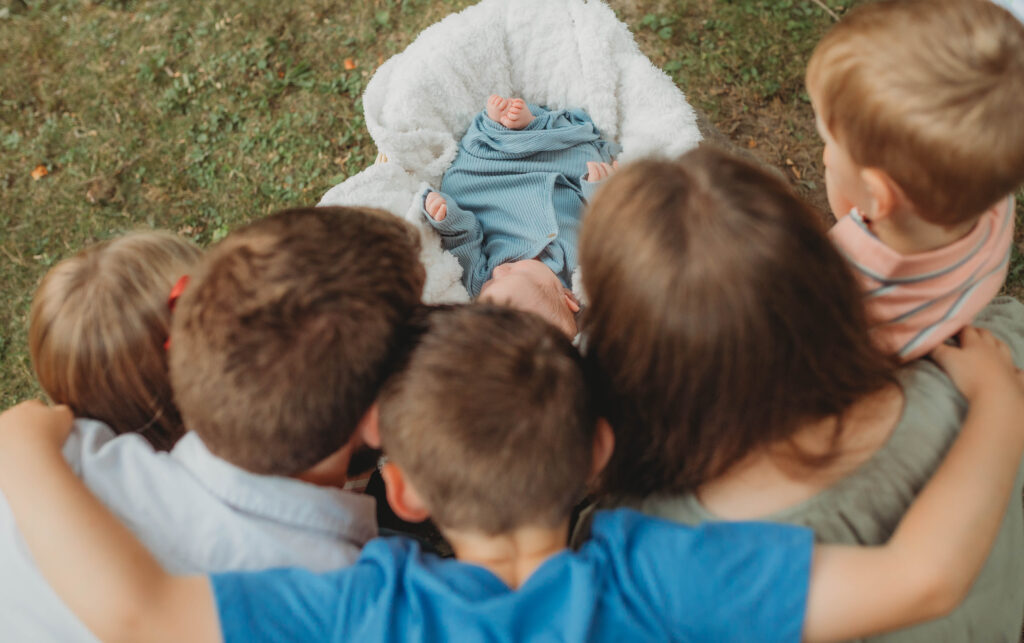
point(93, 562)
point(929, 564)
point(461, 235)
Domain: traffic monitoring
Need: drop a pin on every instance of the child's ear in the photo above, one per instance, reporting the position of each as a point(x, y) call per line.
point(604, 445)
point(571, 301)
point(404, 500)
point(369, 427)
point(885, 194)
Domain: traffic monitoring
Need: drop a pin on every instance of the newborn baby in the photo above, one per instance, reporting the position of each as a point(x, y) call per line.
point(509, 207)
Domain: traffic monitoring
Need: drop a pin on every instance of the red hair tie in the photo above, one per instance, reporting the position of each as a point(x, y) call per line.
point(172, 300)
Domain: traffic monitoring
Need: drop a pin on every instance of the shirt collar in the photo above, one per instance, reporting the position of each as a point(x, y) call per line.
point(873, 258)
point(347, 515)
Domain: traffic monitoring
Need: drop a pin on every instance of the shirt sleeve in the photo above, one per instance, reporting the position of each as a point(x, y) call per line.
point(1004, 317)
point(462, 236)
point(589, 188)
point(724, 581)
point(290, 604)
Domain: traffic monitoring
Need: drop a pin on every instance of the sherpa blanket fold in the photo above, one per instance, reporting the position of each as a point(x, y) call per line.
point(561, 54)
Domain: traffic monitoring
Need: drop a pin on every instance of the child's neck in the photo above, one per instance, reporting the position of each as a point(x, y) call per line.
point(332, 471)
point(908, 234)
point(512, 556)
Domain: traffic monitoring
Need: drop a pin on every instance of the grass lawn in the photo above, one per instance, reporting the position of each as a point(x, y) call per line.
point(199, 116)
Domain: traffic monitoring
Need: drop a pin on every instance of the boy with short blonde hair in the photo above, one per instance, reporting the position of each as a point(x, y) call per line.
point(919, 104)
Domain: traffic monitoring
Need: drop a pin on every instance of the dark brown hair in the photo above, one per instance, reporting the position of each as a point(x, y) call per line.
point(931, 92)
point(283, 337)
point(720, 319)
point(97, 329)
point(491, 420)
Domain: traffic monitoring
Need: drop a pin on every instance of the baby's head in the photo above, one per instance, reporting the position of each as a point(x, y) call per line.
point(490, 426)
point(922, 98)
point(97, 329)
point(531, 286)
point(288, 328)
point(719, 317)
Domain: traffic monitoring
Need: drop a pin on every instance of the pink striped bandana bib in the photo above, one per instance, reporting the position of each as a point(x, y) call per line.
point(916, 302)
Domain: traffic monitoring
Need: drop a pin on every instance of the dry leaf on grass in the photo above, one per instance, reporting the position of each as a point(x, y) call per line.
point(39, 172)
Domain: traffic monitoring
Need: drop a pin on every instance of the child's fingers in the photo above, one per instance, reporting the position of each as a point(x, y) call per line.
point(987, 339)
point(980, 357)
point(598, 171)
point(943, 355)
point(436, 206)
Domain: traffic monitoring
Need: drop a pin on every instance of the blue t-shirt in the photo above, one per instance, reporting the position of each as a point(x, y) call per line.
point(637, 579)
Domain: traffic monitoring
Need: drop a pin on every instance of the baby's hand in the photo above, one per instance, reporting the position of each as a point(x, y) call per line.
point(436, 206)
point(600, 171)
point(36, 421)
point(981, 365)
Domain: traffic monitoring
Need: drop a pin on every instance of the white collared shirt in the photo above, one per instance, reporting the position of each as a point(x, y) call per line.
point(194, 511)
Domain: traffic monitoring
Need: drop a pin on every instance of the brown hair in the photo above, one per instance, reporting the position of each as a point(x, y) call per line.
point(491, 420)
point(931, 92)
point(97, 329)
point(720, 319)
point(281, 340)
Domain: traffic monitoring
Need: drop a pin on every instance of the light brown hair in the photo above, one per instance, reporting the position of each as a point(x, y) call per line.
point(491, 420)
point(97, 329)
point(283, 337)
point(720, 319)
point(931, 92)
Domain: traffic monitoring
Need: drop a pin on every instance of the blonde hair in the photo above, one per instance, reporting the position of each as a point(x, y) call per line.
point(97, 329)
point(931, 92)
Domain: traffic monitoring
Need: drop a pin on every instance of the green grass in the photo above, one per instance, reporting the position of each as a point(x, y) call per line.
point(198, 116)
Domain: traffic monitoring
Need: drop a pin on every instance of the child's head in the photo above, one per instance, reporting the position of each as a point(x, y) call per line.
point(531, 286)
point(720, 317)
point(490, 423)
point(929, 93)
point(97, 329)
point(290, 325)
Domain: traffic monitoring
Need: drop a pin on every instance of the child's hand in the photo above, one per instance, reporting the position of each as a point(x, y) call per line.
point(980, 365)
point(37, 421)
point(600, 171)
point(436, 206)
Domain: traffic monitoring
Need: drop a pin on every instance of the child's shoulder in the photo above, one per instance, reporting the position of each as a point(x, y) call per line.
point(631, 528)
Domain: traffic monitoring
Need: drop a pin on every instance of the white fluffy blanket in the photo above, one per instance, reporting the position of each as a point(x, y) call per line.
point(557, 53)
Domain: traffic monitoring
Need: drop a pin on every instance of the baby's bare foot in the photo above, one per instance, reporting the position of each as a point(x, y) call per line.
point(496, 106)
point(436, 206)
point(517, 115)
point(600, 171)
